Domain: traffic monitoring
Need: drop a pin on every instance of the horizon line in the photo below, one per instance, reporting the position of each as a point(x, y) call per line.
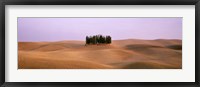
point(112, 40)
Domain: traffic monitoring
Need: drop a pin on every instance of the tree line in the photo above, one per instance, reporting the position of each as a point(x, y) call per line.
point(98, 39)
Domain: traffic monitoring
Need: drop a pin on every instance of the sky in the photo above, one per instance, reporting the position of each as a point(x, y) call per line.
point(58, 29)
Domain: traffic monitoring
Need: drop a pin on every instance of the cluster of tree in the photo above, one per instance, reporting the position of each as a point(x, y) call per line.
point(98, 39)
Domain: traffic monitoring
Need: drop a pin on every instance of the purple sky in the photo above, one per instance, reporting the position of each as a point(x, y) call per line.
point(57, 29)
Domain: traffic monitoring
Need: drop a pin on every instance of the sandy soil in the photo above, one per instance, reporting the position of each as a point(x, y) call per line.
point(121, 54)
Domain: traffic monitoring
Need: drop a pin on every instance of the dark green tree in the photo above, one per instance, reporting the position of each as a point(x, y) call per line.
point(108, 39)
point(98, 39)
point(103, 40)
point(93, 39)
point(87, 40)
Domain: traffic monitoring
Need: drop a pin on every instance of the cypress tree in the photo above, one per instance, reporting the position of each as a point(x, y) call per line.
point(93, 40)
point(87, 40)
point(103, 39)
point(98, 39)
point(109, 40)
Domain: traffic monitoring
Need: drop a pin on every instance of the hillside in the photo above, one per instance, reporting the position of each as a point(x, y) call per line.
point(121, 54)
